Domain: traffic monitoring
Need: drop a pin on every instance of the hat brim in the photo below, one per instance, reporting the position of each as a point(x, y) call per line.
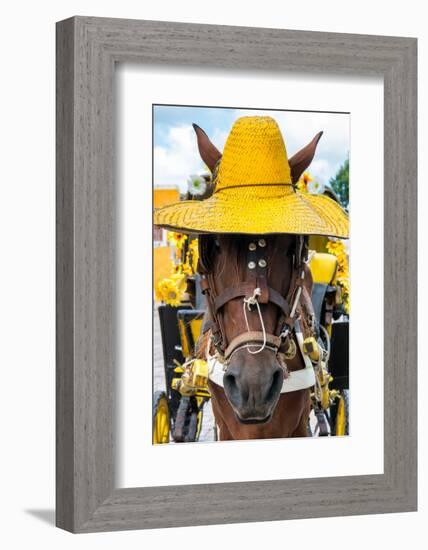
point(257, 210)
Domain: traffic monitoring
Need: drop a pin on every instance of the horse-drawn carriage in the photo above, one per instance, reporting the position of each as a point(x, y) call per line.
point(273, 329)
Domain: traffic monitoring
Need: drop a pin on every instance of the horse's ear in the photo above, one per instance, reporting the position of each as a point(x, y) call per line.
point(303, 158)
point(209, 152)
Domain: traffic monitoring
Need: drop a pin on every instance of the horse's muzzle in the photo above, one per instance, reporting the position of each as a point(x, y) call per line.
point(253, 385)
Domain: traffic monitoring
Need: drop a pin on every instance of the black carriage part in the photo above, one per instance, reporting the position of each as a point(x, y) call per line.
point(171, 347)
point(183, 410)
point(186, 423)
point(185, 318)
point(339, 357)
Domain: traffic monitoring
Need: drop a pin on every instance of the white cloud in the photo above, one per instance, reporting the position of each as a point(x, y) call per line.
point(177, 159)
point(219, 138)
point(321, 169)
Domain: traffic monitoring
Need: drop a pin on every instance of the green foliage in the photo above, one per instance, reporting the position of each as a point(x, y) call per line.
point(340, 184)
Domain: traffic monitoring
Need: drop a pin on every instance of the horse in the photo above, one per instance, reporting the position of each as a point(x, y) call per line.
point(255, 286)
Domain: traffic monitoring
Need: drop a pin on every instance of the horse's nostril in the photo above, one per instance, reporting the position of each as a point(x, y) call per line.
point(230, 380)
point(232, 389)
point(277, 379)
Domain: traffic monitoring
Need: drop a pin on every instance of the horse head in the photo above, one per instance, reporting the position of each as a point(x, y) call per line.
point(247, 279)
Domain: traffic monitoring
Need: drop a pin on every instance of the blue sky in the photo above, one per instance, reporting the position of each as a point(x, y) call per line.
point(176, 154)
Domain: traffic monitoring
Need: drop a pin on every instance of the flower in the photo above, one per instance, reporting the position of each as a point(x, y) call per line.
point(315, 188)
point(186, 267)
point(179, 279)
point(171, 290)
point(302, 184)
point(176, 268)
point(196, 185)
point(337, 248)
point(194, 253)
point(176, 239)
point(172, 295)
point(307, 178)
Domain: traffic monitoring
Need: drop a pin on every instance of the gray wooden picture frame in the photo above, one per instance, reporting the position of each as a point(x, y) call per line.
point(87, 51)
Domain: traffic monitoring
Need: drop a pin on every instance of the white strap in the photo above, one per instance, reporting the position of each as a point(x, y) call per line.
point(297, 380)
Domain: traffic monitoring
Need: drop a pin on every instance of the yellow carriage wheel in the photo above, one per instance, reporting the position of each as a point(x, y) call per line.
point(161, 421)
point(342, 416)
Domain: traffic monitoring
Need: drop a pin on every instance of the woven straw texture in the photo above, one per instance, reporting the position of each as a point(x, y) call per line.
point(254, 154)
point(254, 194)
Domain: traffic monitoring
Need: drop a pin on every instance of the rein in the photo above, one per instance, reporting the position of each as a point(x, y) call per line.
point(254, 291)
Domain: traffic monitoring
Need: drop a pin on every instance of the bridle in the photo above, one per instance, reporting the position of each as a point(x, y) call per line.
point(253, 291)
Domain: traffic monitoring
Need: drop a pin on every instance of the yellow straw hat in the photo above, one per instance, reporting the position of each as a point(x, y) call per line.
point(254, 193)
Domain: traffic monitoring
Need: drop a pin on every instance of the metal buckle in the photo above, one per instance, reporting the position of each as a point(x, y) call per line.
point(285, 332)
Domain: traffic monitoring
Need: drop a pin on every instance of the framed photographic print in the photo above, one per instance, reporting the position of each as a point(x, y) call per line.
point(236, 274)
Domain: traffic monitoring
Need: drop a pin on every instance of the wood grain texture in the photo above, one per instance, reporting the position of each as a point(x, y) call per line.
point(64, 278)
point(87, 49)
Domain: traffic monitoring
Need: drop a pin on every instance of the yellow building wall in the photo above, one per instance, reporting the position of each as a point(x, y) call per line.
point(161, 263)
point(164, 196)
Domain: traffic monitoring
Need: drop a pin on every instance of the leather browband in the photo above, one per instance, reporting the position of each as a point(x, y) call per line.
point(246, 290)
